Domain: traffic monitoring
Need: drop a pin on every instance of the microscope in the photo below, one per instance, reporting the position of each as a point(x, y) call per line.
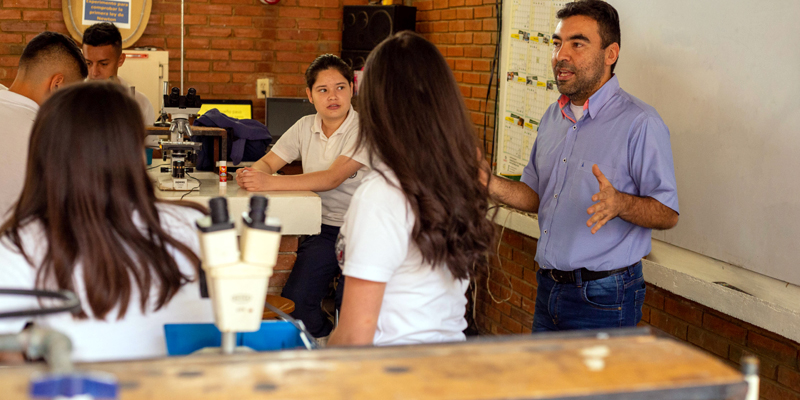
point(178, 149)
point(237, 282)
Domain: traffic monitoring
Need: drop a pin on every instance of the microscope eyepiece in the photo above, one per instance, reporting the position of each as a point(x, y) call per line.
point(258, 209)
point(219, 210)
point(174, 95)
point(191, 97)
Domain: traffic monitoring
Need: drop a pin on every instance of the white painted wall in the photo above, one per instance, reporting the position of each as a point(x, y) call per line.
point(725, 77)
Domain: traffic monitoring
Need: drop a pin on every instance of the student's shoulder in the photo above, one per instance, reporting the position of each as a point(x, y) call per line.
point(638, 109)
point(33, 240)
point(380, 188)
point(141, 98)
point(305, 123)
point(352, 123)
point(302, 128)
point(177, 215)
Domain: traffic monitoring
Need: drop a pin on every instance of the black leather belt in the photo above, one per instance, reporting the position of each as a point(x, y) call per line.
point(586, 275)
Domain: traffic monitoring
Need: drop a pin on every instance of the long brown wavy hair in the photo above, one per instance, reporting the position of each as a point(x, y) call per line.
point(414, 120)
point(84, 182)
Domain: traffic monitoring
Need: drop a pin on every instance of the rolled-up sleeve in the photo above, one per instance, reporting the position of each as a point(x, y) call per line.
point(530, 175)
point(650, 155)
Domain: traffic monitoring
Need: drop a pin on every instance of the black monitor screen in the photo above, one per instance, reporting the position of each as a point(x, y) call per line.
point(283, 112)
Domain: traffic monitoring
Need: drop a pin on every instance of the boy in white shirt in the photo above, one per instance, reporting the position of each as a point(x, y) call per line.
point(102, 46)
point(49, 62)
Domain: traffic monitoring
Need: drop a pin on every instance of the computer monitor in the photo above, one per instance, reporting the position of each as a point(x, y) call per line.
point(239, 109)
point(283, 112)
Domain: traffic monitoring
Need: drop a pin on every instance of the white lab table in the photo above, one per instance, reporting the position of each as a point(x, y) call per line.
point(300, 212)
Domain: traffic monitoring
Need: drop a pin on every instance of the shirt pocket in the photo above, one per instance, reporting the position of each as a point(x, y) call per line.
point(584, 184)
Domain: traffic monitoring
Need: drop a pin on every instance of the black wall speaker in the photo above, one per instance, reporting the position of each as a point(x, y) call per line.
point(366, 26)
point(355, 58)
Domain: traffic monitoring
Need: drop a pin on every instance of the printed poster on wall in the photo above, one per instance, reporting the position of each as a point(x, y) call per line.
point(118, 12)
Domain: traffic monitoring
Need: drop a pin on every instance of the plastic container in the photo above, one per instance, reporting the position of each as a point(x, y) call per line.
point(149, 154)
point(183, 339)
point(77, 385)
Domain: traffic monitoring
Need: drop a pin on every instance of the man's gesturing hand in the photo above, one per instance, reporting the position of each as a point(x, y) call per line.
point(609, 202)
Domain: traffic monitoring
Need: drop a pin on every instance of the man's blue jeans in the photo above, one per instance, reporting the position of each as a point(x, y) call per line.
point(611, 302)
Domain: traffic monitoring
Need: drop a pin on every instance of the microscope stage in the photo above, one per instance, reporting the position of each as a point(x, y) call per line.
point(180, 185)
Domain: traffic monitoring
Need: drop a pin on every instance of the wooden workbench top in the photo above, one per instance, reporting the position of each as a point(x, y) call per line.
point(521, 367)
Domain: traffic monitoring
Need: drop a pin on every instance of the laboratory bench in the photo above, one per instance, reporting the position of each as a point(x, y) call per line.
point(300, 212)
point(618, 364)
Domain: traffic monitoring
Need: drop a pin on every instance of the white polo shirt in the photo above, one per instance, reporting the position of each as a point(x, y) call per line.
point(305, 141)
point(17, 113)
point(148, 113)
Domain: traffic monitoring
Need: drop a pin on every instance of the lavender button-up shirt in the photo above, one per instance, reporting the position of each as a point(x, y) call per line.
point(627, 139)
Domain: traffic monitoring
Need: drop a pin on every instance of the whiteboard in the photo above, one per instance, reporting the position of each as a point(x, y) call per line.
point(725, 77)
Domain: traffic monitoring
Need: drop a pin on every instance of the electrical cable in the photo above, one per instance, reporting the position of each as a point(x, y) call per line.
point(305, 336)
point(495, 73)
point(193, 189)
point(71, 302)
point(499, 7)
point(156, 166)
point(499, 263)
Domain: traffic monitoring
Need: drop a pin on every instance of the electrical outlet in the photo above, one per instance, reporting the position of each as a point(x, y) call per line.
point(262, 87)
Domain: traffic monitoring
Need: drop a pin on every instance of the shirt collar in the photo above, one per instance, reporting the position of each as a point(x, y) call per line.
point(595, 102)
point(317, 128)
point(18, 99)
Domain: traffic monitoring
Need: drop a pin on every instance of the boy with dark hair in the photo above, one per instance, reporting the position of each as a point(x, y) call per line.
point(49, 62)
point(102, 46)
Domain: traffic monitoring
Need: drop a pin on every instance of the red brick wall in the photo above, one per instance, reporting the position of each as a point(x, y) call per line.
point(231, 43)
point(287, 254)
point(465, 31)
point(228, 43)
point(711, 331)
point(728, 339)
point(512, 278)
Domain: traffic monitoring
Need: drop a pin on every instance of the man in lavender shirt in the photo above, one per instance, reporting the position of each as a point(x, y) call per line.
point(600, 176)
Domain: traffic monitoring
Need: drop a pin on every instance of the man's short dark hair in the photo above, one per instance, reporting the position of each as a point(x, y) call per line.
point(600, 11)
point(103, 34)
point(48, 47)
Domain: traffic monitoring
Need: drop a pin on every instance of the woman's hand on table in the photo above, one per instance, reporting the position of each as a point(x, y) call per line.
point(253, 180)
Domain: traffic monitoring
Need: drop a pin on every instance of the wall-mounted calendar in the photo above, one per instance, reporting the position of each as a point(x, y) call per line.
point(527, 85)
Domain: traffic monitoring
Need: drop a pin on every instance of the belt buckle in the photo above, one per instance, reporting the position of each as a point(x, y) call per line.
point(553, 276)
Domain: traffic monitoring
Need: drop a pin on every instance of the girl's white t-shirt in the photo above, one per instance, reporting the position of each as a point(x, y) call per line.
point(422, 303)
point(135, 336)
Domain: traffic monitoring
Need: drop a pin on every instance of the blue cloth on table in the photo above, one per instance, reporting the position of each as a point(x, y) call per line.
point(247, 139)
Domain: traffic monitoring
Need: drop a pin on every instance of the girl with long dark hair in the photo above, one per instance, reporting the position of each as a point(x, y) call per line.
point(416, 229)
point(88, 221)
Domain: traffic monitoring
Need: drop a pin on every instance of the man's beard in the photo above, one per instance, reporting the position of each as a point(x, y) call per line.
point(584, 82)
